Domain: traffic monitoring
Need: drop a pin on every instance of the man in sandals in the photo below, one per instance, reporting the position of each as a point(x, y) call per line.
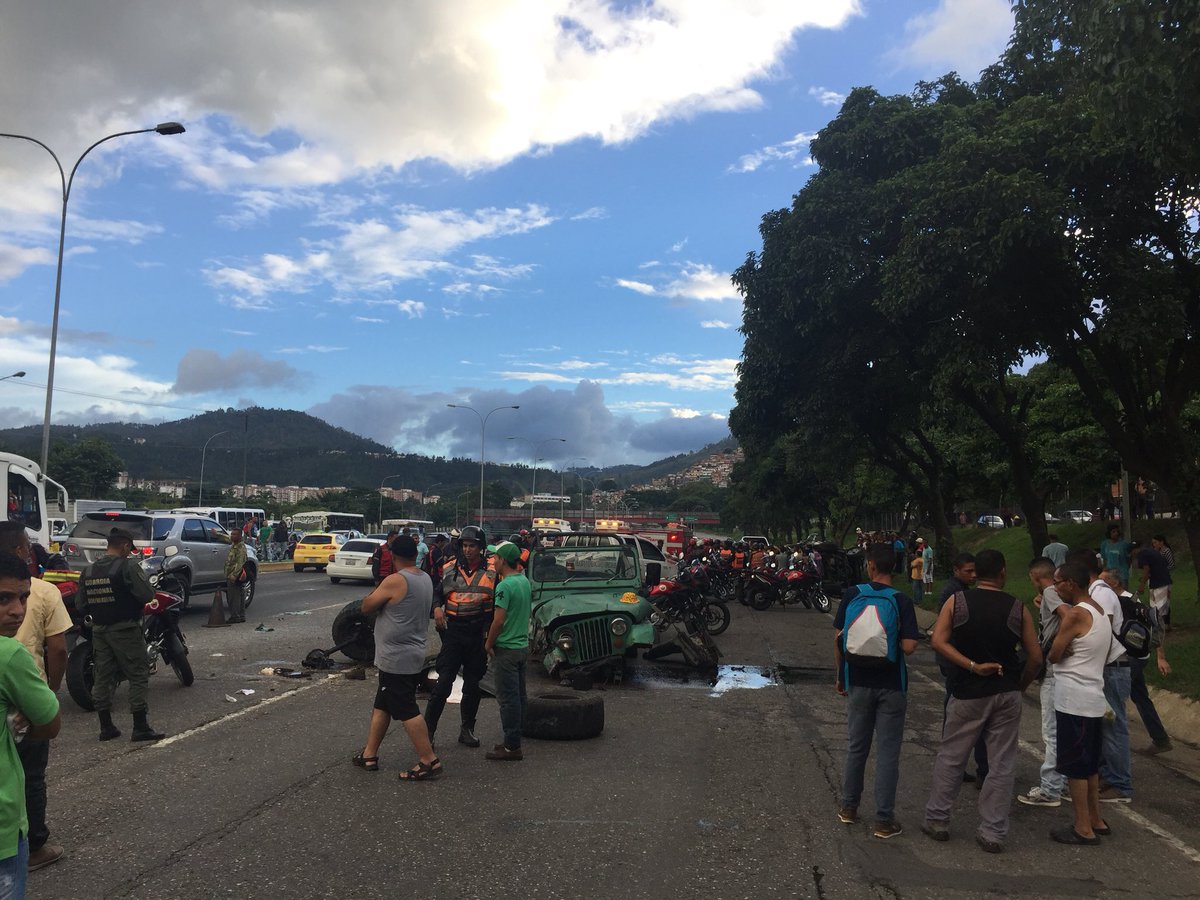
point(1078, 653)
point(403, 601)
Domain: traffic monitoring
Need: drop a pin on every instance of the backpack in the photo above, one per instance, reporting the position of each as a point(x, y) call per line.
point(1137, 634)
point(871, 637)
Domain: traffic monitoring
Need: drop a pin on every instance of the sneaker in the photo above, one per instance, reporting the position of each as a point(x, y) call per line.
point(988, 846)
point(1111, 794)
point(885, 830)
point(848, 815)
point(1038, 797)
point(46, 855)
point(938, 831)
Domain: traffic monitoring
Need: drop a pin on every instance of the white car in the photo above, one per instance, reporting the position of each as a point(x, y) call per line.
point(1079, 516)
point(353, 561)
point(990, 522)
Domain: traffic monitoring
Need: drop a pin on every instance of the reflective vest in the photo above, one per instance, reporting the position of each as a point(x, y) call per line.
point(739, 559)
point(467, 595)
point(726, 553)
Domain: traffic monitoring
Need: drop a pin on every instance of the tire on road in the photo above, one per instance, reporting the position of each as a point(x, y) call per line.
point(179, 661)
point(349, 620)
point(564, 716)
point(81, 674)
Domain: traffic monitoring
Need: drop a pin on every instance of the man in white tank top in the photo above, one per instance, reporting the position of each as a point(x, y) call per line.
point(1078, 654)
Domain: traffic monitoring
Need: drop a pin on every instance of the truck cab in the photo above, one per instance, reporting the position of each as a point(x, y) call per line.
point(26, 497)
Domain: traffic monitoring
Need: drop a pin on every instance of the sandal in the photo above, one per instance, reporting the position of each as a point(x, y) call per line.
point(370, 763)
point(422, 771)
point(1068, 835)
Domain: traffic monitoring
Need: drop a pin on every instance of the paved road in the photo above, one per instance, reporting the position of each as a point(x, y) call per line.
point(692, 791)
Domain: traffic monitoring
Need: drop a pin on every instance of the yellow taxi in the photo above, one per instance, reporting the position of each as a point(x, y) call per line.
point(316, 550)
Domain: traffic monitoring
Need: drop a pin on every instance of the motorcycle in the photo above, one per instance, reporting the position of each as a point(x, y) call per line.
point(787, 587)
point(677, 607)
point(160, 624)
point(692, 589)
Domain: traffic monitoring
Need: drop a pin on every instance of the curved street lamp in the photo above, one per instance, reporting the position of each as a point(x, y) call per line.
point(13, 375)
point(161, 128)
point(482, 431)
point(203, 453)
point(381, 484)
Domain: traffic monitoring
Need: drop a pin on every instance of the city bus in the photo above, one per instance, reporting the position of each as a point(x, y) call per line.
point(404, 526)
point(324, 520)
point(231, 518)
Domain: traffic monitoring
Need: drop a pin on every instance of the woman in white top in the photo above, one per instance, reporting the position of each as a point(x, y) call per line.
point(1079, 653)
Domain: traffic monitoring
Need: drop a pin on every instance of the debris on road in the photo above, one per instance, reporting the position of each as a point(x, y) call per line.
point(231, 698)
point(246, 691)
point(262, 627)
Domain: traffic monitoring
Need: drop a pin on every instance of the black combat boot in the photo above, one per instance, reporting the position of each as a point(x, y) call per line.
point(466, 735)
point(142, 730)
point(108, 730)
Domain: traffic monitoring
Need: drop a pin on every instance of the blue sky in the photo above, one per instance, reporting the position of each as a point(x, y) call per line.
point(383, 207)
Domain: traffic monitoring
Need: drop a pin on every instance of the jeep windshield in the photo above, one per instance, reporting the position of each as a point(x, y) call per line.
point(564, 564)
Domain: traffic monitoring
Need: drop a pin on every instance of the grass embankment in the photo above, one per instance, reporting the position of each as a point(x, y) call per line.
point(1183, 641)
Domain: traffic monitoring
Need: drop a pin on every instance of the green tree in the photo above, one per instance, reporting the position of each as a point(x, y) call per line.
point(88, 468)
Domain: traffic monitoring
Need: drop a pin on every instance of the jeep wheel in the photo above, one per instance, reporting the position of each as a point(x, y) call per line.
point(564, 716)
point(359, 629)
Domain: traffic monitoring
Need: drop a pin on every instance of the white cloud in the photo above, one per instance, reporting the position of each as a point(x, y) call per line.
point(306, 94)
point(594, 212)
point(311, 348)
point(794, 150)
point(826, 97)
point(698, 281)
point(15, 260)
point(965, 35)
point(715, 323)
point(683, 413)
point(640, 286)
point(679, 245)
point(369, 320)
point(414, 309)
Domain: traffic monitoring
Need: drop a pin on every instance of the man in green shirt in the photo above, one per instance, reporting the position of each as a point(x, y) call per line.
point(507, 645)
point(264, 541)
point(30, 709)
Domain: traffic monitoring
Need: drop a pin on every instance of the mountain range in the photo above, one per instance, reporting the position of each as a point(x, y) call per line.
point(280, 446)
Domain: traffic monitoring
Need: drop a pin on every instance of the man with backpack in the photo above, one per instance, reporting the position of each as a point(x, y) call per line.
point(876, 628)
point(977, 631)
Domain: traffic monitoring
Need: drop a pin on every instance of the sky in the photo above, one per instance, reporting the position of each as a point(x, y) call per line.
point(383, 207)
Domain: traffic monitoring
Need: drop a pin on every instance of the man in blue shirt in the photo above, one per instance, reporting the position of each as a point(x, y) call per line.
point(875, 689)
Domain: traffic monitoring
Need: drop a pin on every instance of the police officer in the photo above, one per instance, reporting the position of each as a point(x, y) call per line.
point(462, 612)
point(114, 591)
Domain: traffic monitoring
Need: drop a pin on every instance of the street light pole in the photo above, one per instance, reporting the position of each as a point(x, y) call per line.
point(482, 435)
point(67, 183)
point(203, 453)
point(13, 375)
point(381, 484)
point(536, 460)
point(579, 459)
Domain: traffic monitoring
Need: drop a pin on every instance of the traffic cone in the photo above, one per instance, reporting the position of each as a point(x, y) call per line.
point(216, 615)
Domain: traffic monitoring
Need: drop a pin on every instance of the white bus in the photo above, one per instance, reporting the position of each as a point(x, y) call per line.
point(422, 526)
point(328, 521)
point(232, 518)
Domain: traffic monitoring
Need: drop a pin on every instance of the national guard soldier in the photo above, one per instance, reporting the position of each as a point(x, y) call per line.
point(114, 591)
point(462, 612)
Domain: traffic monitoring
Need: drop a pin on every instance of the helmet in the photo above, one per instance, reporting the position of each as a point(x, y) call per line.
point(472, 533)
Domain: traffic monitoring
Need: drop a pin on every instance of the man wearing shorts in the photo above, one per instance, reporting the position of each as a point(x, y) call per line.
point(403, 600)
point(1079, 653)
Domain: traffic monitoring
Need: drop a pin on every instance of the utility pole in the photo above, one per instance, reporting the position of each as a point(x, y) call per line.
point(245, 450)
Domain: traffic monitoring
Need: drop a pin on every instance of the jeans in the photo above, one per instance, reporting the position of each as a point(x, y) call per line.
point(1053, 782)
point(918, 589)
point(877, 712)
point(1115, 763)
point(34, 757)
point(997, 721)
point(510, 692)
point(462, 648)
point(1145, 706)
point(14, 871)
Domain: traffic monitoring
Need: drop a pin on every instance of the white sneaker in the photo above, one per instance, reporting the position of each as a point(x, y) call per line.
point(1038, 797)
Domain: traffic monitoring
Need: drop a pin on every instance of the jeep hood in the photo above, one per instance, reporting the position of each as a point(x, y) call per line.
point(555, 604)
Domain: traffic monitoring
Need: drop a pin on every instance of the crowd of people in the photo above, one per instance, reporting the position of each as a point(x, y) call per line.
point(1089, 648)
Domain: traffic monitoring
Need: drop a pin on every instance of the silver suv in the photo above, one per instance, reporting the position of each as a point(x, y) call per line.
point(201, 543)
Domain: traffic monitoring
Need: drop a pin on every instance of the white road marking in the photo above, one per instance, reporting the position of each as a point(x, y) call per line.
point(176, 738)
point(1037, 751)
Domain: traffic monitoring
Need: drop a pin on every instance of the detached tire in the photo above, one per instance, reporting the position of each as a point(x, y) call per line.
point(349, 622)
point(564, 716)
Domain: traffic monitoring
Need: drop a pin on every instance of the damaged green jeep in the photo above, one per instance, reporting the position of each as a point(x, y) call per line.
point(589, 607)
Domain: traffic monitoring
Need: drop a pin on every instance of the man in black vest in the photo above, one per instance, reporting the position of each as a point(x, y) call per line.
point(114, 591)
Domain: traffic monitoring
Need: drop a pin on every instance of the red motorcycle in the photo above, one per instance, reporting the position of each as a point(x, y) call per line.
point(690, 593)
point(770, 584)
point(160, 624)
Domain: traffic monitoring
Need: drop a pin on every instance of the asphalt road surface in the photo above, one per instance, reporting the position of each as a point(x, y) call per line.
point(693, 790)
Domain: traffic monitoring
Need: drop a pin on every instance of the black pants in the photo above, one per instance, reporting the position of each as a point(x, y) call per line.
point(462, 648)
point(34, 757)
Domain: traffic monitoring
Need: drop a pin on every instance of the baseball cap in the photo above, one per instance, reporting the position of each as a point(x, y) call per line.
point(404, 547)
point(120, 534)
point(507, 551)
